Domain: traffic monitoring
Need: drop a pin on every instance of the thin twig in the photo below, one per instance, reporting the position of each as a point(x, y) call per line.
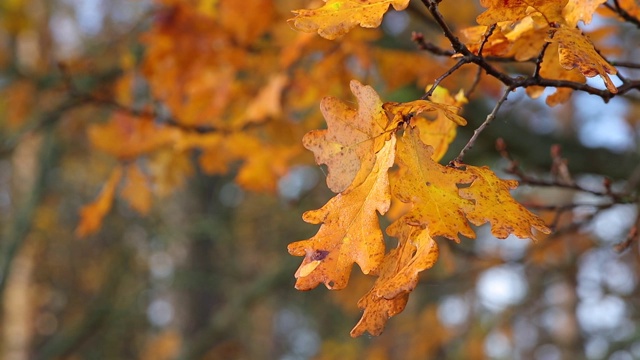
point(485, 38)
point(442, 77)
point(480, 129)
point(623, 13)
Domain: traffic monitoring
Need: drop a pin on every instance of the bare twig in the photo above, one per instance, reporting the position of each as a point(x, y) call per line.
point(623, 13)
point(442, 77)
point(478, 131)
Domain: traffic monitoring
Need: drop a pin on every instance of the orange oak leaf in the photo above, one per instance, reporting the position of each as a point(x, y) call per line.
point(337, 17)
point(493, 203)
point(91, 215)
point(169, 171)
point(551, 69)
point(126, 137)
point(262, 169)
point(353, 137)
point(577, 51)
point(432, 189)
point(254, 23)
point(416, 252)
point(268, 102)
point(577, 10)
point(630, 6)
point(136, 190)
point(497, 44)
point(514, 10)
point(350, 231)
point(527, 39)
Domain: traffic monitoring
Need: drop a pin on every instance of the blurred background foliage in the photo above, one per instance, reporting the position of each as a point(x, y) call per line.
point(196, 267)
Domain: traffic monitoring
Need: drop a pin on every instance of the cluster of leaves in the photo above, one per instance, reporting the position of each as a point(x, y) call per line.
point(361, 147)
point(382, 158)
point(259, 71)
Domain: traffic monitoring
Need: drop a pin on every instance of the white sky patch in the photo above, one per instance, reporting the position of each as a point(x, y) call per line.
point(65, 34)
point(395, 22)
point(607, 313)
point(453, 311)
point(90, 15)
point(603, 125)
point(501, 286)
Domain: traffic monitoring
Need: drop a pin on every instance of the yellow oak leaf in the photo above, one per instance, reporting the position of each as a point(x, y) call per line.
point(91, 215)
point(577, 10)
point(577, 51)
point(514, 10)
point(350, 231)
point(416, 252)
point(353, 137)
point(493, 203)
point(137, 190)
point(421, 106)
point(439, 132)
point(337, 17)
point(432, 189)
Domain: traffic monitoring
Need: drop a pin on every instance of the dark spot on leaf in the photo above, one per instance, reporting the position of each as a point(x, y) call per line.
point(319, 255)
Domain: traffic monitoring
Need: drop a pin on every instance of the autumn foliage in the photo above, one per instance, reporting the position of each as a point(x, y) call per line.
point(255, 89)
point(376, 154)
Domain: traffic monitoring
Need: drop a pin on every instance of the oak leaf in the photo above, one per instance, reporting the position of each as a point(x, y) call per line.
point(493, 203)
point(527, 38)
point(337, 17)
point(421, 106)
point(268, 102)
point(514, 10)
point(127, 137)
point(416, 252)
point(551, 69)
point(350, 231)
point(353, 137)
point(91, 215)
point(137, 190)
point(580, 10)
point(432, 189)
point(169, 171)
point(577, 51)
point(496, 44)
point(441, 131)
